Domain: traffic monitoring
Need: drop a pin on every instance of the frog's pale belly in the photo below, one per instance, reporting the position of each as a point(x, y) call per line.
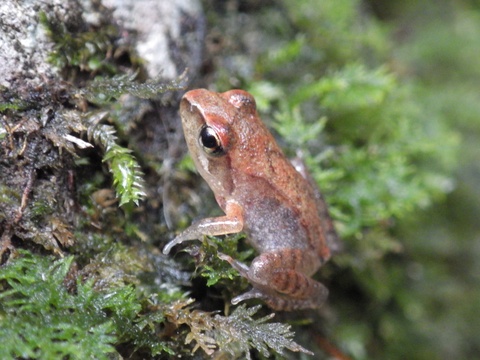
point(272, 226)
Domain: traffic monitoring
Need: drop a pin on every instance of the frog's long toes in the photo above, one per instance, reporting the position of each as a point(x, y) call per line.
point(225, 257)
point(166, 250)
point(237, 265)
point(251, 294)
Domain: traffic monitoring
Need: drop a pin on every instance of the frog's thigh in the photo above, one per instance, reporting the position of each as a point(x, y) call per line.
point(286, 271)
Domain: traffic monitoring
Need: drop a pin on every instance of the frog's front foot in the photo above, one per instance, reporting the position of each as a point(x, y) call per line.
point(279, 278)
point(228, 224)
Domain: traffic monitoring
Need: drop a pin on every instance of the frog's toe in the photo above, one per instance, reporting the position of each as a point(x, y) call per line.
point(170, 245)
point(237, 265)
point(251, 294)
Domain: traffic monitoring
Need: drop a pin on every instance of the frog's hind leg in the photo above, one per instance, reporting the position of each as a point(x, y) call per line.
point(281, 279)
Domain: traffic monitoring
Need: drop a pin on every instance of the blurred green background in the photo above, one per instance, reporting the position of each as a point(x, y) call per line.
point(440, 44)
point(432, 306)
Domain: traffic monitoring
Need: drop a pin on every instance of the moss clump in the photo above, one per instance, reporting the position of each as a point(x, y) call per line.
point(78, 47)
point(42, 318)
point(47, 312)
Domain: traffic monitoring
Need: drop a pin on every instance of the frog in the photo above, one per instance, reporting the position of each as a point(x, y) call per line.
point(270, 198)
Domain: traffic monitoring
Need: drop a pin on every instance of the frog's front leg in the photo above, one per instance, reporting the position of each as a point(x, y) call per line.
point(231, 223)
point(281, 279)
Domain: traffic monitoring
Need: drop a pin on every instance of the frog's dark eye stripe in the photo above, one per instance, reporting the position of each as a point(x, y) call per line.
point(210, 141)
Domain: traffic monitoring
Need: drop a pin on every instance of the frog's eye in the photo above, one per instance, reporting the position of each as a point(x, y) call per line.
point(210, 141)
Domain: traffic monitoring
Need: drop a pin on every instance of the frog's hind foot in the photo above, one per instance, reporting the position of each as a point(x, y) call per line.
point(287, 304)
point(278, 279)
point(281, 303)
point(237, 265)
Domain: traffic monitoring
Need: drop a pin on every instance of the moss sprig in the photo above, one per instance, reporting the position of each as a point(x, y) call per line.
point(127, 176)
point(103, 90)
point(235, 334)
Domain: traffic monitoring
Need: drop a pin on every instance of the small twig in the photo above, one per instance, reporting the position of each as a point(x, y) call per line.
point(9, 131)
point(20, 124)
point(26, 193)
point(22, 150)
point(6, 239)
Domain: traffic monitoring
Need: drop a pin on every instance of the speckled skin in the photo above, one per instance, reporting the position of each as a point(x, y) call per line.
point(261, 193)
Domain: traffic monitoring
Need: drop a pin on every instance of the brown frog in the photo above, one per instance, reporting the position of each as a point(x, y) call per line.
point(263, 194)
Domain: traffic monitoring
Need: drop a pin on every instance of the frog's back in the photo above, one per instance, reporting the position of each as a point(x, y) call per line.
point(280, 204)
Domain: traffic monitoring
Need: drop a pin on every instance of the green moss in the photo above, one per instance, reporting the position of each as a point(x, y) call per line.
point(84, 50)
point(213, 269)
point(42, 318)
point(232, 336)
point(15, 106)
point(46, 313)
point(105, 90)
